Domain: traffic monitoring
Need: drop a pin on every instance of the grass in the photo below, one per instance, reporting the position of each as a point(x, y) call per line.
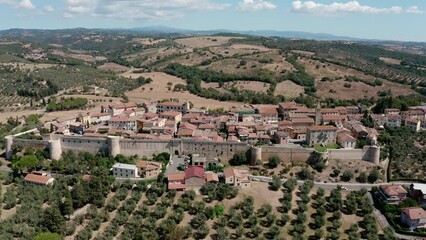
point(320, 148)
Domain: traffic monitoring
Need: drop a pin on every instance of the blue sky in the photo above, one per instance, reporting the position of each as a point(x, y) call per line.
point(374, 19)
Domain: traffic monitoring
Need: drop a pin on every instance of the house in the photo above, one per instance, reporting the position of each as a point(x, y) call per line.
point(269, 114)
point(100, 118)
point(359, 131)
point(181, 107)
point(418, 192)
point(323, 135)
point(393, 194)
point(123, 123)
point(414, 114)
point(332, 119)
point(392, 111)
point(252, 138)
point(300, 126)
point(413, 217)
point(379, 120)
point(121, 170)
point(281, 137)
point(118, 109)
point(393, 120)
point(352, 110)
point(171, 116)
point(149, 169)
point(195, 177)
point(346, 141)
point(286, 108)
point(176, 181)
point(237, 177)
point(413, 124)
point(39, 178)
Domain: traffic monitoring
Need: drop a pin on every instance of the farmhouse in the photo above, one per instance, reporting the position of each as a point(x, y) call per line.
point(39, 178)
point(149, 169)
point(121, 170)
point(393, 194)
point(237, 177)
point(413, 217)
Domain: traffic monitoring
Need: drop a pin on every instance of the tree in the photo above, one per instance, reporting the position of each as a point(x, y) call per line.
point(347, 176)
point(374, 175)
point(26, 163)
point(52, 220)
point(389, 234)
point(319, 233)
point(351, 203)
point(353, 233)
point(48, 236)
point(239, 158)
point(276, 183)
point(362, 178)
point(274, 161)
point(175, 233)
point(305, 174)
point(66, 207)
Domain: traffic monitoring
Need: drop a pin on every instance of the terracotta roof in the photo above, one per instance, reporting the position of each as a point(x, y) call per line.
point(268, 111)
point(327, 118)
point(87, 177)
point(146, 165)
point(329, 110)
point(302, 120)
point(411, 120)
point(394, 117)
point(179, 176)
point(322, 128)
point(415, 213)
point(185, 132)
point(285, 122)
point(392, 190)
point(194, 171)
point(35, 178)
point(232, 139)
point(346, 137)
point(206, 126)
point(212, 177)
point(175, 186)
point(228, 172)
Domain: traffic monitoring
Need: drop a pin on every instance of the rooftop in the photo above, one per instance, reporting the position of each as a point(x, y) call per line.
point(415, 213)
point(322, 128)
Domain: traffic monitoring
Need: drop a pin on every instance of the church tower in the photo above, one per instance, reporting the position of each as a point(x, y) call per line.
point(318, 114)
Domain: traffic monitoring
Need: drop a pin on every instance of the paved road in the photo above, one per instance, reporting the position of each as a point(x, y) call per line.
point(172, 168)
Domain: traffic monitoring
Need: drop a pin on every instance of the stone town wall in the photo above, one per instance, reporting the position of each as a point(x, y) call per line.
point(29, 143)
point(287, 154)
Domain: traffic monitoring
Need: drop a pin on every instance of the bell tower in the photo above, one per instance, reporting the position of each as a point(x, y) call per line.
point(318, 114)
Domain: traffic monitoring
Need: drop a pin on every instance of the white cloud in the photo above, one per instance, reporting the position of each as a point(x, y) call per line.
point(26, 4)
point(139, 9)
point(255, 5)
point(414, 9)
point(48, 8)
point(336, 8)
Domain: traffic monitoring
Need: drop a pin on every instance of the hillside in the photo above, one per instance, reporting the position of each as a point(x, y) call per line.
point(238, 68)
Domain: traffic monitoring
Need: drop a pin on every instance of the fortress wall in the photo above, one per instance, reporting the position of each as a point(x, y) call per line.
point(287, 154)
point(345, 154)
point(222, 150)
point(28, 143)
point(84, 144)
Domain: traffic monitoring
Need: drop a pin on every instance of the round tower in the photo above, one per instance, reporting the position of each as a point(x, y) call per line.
point(113, 145)
point(9, 143)
point(55, 149)
point(255, 154)
point(375, 154)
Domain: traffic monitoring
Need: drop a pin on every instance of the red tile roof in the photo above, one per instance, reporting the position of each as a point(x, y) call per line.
point(415, 213)
point(179, 176)
point(39, 179)
point(393, 190)
point(212, 177)
point(194, 171)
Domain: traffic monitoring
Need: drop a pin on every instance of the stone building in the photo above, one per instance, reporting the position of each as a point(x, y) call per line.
point(321, 135)
point(121, 170)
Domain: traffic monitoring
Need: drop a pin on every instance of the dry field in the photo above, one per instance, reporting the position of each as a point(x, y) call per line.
point(202, 42)
point(289, 89)
point(113, 67)
point(28, 66)
point(230, 66)
point(259, 87)
point(390, 61)
point(237, 50)
point(147, 41)
point(215, 86)
point(359, 90)
point(80, 56)
point(158, 90)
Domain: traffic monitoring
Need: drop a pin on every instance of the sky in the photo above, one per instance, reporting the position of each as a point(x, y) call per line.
point(403, 20)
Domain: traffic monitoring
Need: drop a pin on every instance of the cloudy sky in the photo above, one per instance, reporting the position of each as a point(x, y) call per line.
point(374, 19)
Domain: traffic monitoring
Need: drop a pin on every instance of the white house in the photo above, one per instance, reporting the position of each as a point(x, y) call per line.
point(121, 170)
point(346, 141)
